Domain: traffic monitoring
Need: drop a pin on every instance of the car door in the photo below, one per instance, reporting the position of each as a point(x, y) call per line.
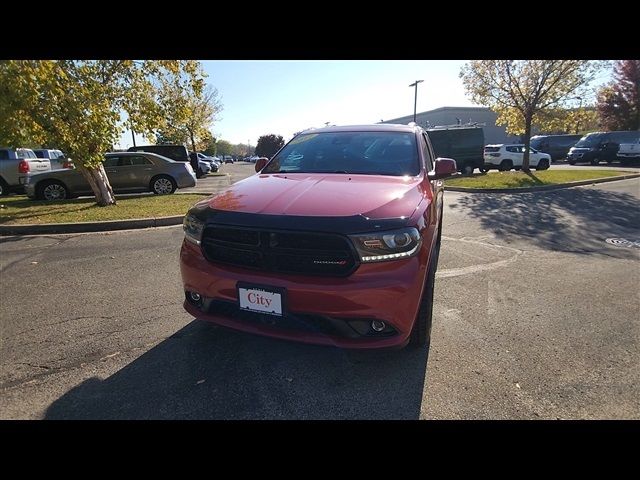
point(515, 153)
point(134, 172)
point(534, 157)
point(114, 172)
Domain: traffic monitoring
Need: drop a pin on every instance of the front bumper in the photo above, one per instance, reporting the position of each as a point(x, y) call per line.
point(387, 291)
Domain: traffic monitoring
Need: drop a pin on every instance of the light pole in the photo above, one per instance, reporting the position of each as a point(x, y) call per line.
point(415, 100)
point(579, 113)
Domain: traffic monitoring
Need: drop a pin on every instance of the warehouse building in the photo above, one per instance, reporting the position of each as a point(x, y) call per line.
point(462, 115)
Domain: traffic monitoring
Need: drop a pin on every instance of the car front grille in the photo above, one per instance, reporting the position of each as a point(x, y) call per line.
point(304, 253)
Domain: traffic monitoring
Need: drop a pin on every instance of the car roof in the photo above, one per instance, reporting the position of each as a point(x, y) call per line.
point(374, 127)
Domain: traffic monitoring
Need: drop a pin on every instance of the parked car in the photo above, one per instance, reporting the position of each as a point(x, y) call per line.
point(174, 152)
point(597, 146)
point(201, 167)
point(16, 164)
point(334, 242)
point(629, 152)
point(462, 143)
point(505, 157)
point(228, 159)
point(209, 160)
point(555, 145)
point(56, 158)
point(127, 172)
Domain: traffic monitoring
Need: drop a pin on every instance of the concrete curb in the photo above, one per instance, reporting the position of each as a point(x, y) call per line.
point(82, 227)
point(540, 188)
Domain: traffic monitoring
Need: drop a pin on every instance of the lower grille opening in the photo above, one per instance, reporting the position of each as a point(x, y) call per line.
point(320, 324)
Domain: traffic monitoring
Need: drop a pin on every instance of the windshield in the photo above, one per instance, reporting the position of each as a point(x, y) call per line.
point(366, 153)
point(536, 143)
point(588, 141)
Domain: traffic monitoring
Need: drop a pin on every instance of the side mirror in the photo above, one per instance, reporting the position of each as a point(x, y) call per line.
point(445, 167)
point(260, 163)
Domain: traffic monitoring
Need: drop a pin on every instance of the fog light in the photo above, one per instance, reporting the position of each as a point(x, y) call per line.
point(377, 325)
point(195, 296)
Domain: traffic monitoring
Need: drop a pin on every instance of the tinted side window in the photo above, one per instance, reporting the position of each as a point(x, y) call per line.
point(138, 161)
point(110, 162)
point(624, 137)
point(4, 154)
point(514, 149)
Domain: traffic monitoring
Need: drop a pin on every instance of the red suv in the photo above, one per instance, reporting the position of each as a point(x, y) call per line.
point(334, 241)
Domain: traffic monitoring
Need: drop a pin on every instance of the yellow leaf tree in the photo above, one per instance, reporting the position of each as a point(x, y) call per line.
point(77, 106)
point(525, 92)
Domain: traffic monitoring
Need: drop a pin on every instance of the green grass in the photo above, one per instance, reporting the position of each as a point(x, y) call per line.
point(16, 210)
point(512, 179)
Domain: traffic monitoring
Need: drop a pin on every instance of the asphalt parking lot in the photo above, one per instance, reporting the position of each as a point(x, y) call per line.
point(536, 316)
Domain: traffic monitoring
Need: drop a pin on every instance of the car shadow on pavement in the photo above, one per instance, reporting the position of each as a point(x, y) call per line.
point(571, 220)
point(207, 372)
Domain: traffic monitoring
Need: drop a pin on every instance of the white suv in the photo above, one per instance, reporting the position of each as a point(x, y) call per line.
point(506, 157)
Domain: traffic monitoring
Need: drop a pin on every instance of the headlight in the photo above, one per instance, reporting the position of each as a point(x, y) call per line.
point(384, 246)
point(192, 229)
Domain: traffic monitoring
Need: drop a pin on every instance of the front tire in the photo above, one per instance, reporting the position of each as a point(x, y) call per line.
point(543, 165)
point(506, 165)
point(421, 331)
point(595, 161)
point(51, 190)
point(483, 170)
point(467, 169)
point(163, 185)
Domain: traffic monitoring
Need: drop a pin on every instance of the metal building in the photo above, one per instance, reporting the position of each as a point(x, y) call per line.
point(462, 115)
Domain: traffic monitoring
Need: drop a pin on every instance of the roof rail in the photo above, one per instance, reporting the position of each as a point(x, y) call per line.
point(466, 125)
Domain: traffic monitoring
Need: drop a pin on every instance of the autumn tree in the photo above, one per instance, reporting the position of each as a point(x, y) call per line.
point(619, 101)
point(77, 106)
point(224, 147)
point(268, 145)
point(211, 148)
point(188, 110)
point(522, 91)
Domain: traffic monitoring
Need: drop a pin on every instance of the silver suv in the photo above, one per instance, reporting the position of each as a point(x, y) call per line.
point(16, 164)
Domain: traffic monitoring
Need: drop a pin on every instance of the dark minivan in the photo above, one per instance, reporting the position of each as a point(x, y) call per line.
point(555, 145)
point(597, 146)
point(464, 144)
point(174, 152)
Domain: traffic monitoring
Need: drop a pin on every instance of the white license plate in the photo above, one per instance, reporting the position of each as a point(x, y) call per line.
point(258, 299)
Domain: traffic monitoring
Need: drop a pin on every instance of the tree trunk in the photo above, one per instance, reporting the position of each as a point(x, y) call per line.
point(100, 185)
point(193, 142)
point(527, 142)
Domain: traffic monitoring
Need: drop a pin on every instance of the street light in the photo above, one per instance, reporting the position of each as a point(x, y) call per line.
point(579, 113)
point(415, 101)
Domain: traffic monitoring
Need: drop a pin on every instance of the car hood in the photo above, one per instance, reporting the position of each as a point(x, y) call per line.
point(373, 196)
